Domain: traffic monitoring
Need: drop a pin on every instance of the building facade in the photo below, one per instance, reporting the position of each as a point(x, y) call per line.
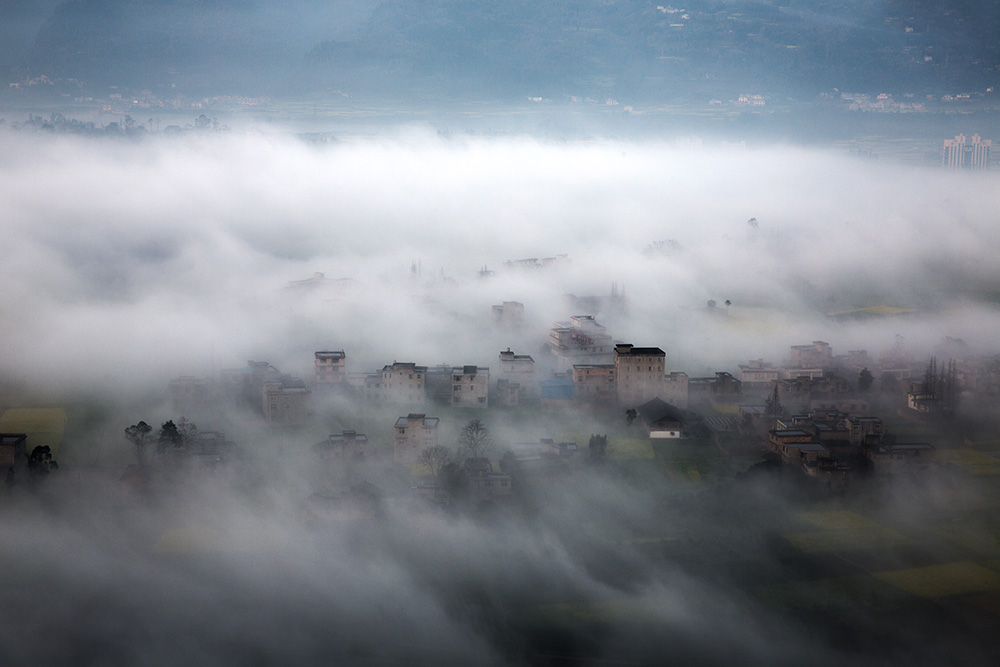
point(581, 340)
point(414, 433)
point(509, 314)
point(594, 383)
point(402, 383)
point(346, 445)
point(470, 387)
point(966, 152)
point(640, 373)
point(331, 368)
point(286, 401)
point(758, 374)
point(519, 369)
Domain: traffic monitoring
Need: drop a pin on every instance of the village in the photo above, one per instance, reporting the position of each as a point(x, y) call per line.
point(479, 431)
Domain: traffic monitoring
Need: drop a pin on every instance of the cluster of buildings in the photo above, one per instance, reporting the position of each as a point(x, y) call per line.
point(278, 397)
point(812, 410)
point(815, 418)
point(832, 446)
point(880, 103)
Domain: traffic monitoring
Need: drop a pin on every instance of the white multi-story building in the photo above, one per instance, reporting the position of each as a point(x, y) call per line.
point(519, 369)
point(470, 386)
point(414, 433)
point(581, 340)
point(758, 374)
point(966, 153)
point(403, 382)
point(331, 368)
point(286, 401)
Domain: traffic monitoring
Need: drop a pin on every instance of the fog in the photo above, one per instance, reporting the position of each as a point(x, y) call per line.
point(130, 263)
point(149, 260)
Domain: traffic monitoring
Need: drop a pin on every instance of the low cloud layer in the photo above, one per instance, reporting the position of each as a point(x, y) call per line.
point(147, 260)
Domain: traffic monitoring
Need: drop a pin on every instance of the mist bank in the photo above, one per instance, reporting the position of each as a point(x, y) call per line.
point(600, 564)
point(138, 261)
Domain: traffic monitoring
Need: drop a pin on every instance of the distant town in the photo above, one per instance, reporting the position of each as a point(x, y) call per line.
point(832, 419)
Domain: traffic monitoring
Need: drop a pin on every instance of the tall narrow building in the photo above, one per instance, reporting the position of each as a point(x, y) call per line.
point(640, 374)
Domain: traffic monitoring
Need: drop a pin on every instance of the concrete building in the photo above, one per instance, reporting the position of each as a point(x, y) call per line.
point(795, 445)
point(817, 355)
point(863, 429)
point(484, 483)
point(557, 390)
point(966, 153)
point(758, 374)
point(13, 451)
point(594, 383)
point(286, 401)
point(346, 445)
point(280, 398)
point(581, 340)
point(509, 314)
point(508, 394)
point(676, 389)
point(470, 386)
point(519, 369)
point(402, 383)
point(366, 385)
point(722, 388)
point(331, 368)
point(639, 373)
point(414, 433)
point(887, 458)
point(660, 419)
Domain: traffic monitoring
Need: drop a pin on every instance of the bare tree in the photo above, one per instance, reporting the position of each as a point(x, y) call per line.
point(475, 439)
point(136, 434)
point(435, 458)
point(187, 429)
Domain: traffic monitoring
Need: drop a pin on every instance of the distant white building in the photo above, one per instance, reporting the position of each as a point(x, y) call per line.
point(331, 368)
point(509, 314)
point(414, 433)
point(966, 153)
point(519, 369)
point(403, 382)
point(581, 340)
point(286, 401)
point(758, 373)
